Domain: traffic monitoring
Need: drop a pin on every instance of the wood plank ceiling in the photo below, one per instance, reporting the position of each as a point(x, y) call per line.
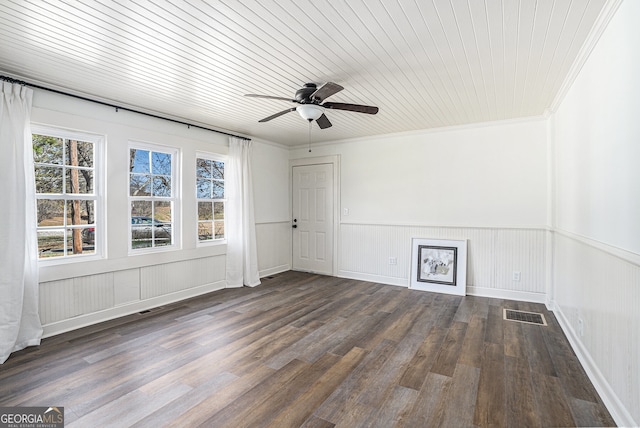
point(425, 63)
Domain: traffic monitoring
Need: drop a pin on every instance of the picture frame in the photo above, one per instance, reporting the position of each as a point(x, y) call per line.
point(439, 266)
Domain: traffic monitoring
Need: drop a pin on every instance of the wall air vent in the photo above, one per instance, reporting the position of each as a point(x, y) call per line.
point(525, 317)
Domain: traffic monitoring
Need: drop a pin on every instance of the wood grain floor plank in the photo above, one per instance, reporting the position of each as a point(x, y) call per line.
point(491, 397)
point(359, 333)
point(174, 410)
point(231, 415)
point(130, 408)
point(280, 397)
point(465, 310)
point(304, 405)
point(395, 409)
point(472, 349)
point(514, 341)
point(553, 408)
point(110, 379)
point(449, 305)
point(571, 374)
point(303, 345)
point(494, 330)
point(416, 373)
point(407, 320)
point(223, 397)
point(536, 349)
point(216, 360)
point(449, 354)
point(344, 397)
point(589, 414)
point(389, 374)
point(262, 349)
point(426, 410)
point(357, 415)
point(309, 306)
point(458, 403)
point(316, 422)
point(521, 409)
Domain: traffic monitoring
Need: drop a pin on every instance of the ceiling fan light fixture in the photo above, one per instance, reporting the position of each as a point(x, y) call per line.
point(310, 111)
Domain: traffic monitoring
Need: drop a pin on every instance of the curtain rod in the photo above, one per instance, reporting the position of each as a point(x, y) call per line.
point(80, 97)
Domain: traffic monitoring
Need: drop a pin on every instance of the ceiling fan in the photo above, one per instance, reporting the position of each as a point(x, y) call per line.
point(312, 106)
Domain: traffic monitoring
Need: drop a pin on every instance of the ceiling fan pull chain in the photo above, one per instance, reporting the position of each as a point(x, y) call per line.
point(309, 120)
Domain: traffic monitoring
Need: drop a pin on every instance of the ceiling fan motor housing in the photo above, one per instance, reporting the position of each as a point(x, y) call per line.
point(303, 95)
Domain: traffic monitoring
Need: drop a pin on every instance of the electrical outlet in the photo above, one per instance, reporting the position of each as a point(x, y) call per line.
point(516, 275)
point(393, 260)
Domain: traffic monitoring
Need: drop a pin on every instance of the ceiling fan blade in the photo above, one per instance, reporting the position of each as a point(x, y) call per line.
point(270, 97)
point(326, 90)
point(273, 116)
point(323, 122)
point(351, 107)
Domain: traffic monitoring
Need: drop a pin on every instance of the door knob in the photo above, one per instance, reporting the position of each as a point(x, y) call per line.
point(294, 226)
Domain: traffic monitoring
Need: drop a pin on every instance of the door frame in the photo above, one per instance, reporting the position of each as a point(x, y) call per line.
point(319, 160)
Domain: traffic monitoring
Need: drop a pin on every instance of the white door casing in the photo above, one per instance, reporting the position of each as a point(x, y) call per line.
point(313, 218)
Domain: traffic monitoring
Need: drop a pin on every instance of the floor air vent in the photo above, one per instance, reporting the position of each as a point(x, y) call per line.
point(147, 311)
point(526, 317)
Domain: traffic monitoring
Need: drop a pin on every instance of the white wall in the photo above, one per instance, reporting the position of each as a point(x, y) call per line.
point(596, 134)
point(490, 175)
point(77, 294)
point(486, 183)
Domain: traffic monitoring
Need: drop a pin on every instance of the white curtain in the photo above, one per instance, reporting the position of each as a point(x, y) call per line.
point(19, 319)
point(240, 227)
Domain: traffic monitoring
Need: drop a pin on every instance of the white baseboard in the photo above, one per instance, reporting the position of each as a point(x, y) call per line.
point(471, 290)
point(496, 293)
point(373, 278)
point(618, 411)
point(274, 270)
point(81, 321)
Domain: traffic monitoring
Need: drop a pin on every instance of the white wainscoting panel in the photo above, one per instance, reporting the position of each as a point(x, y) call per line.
point(274, 247)
point(72, 303)
point(126, 286)
point(72, 297)
point(602, 289)
point(523, 251)
point(492, 257)
point(158, 280)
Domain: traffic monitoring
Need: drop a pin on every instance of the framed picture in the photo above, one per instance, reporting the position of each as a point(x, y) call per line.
point(439, 265)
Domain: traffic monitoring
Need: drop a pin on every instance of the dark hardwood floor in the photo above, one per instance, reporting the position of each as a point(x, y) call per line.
point(312, 351)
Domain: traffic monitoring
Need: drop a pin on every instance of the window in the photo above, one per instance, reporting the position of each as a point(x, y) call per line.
point(210, 198)
point(67, 172)
point(153, 197)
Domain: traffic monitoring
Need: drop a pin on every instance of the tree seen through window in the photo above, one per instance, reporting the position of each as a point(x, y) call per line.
point(210, 199)
point(65, 195)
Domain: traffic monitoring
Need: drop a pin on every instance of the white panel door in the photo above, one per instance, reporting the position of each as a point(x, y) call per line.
point(313, 218)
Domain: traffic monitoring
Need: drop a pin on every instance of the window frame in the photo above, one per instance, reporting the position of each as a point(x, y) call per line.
point(175, 198)
point(217, 158)
point(98, 196)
